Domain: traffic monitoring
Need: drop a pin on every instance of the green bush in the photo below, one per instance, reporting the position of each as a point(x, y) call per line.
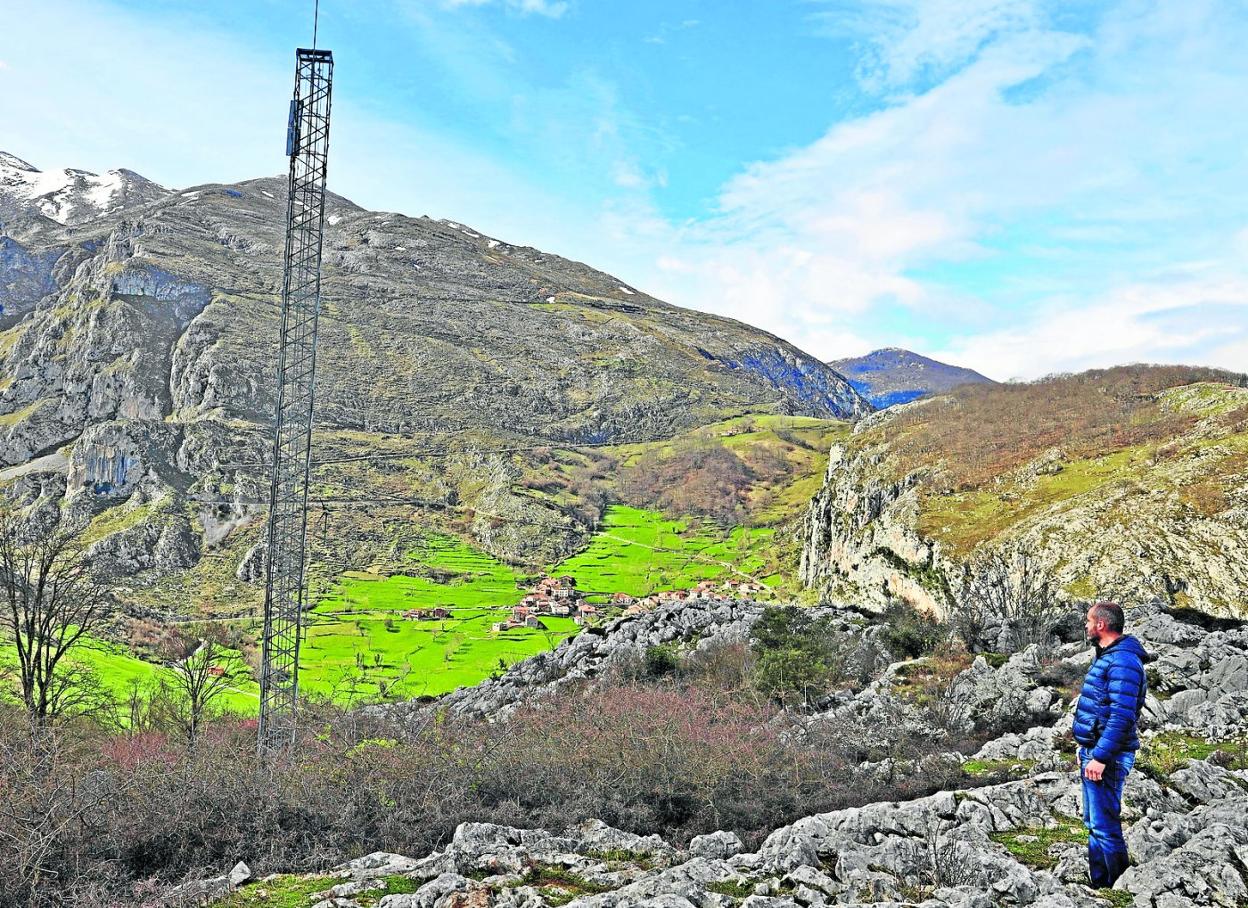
point(661, 661)
point(799, 658)
point(908, 633)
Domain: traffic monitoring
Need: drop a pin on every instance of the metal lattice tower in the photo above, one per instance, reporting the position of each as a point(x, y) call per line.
point(307, 144)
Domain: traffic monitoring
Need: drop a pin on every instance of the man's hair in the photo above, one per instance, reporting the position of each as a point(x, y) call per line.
point(1110, 613)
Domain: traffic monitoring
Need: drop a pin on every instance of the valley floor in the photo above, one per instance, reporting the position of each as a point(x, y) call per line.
point(361, 648)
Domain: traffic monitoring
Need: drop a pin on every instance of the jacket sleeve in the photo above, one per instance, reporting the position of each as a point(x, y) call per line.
point(1124, 681)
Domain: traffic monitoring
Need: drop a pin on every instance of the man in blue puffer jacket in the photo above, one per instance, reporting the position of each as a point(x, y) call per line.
point(1105, 727)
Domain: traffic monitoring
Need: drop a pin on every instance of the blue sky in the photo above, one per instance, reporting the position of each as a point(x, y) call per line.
point(1018, 186)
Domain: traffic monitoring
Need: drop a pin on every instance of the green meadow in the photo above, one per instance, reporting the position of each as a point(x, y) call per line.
point(367, 656)
point(359, 648)
point(119, 672)
point(638, 552)
point(446, 572)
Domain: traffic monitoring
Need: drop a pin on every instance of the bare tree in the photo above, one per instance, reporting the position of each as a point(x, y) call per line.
point(46, 801)
point(1007, 592)
point(201, 670)
point(53, 600)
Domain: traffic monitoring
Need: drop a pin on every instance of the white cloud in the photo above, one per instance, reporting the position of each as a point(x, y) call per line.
point(552, 9)
point(1062, 173)
point(907, 39)
point(1196, 319)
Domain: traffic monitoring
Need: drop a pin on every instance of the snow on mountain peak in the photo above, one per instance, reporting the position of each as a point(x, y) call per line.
point(71, 196)
point(12, 161)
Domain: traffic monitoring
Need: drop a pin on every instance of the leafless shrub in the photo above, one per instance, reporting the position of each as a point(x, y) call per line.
point(1007, 602)
point(947, 863)
point(202, 668)
point(46, 810)
point(945, 708)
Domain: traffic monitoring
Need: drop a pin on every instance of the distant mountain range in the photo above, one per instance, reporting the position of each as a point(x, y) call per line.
point(895, 376)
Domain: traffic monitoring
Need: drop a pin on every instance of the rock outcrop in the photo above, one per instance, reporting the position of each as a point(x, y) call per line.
point(860, 540)
point(957, 849)
point(1164, 518)
point(1018, 842)
point(696, 624)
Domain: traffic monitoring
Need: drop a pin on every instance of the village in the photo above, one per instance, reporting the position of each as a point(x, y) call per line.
point(559, 597)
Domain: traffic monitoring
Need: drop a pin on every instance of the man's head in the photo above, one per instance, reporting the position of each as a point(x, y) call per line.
point(1105, 623)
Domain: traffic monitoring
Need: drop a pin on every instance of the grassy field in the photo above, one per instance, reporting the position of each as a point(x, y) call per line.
point(360, 648)
point(639, 551)
point(119, 672)
point(446, 572)
point(366, 657)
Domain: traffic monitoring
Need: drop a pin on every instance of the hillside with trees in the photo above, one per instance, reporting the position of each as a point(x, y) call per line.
point(1125, 482)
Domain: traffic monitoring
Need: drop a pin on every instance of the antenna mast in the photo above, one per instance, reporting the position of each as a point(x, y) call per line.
point(307, 145)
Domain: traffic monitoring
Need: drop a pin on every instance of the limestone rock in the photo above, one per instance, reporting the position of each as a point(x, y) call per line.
point(715, 845)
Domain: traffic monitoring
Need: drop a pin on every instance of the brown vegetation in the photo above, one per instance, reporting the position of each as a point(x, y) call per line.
point(977, 432)
point(700, 477)
point(683, 744)
point(88, 817)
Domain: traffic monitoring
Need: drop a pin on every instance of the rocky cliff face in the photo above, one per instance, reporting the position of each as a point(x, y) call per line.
point(1165, 518)
point(138, 334)
point(860, 539)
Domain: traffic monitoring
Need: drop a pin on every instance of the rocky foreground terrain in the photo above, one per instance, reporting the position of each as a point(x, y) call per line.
point(1016, 842)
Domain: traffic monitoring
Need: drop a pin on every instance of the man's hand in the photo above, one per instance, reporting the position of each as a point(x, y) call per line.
point(1094, 770)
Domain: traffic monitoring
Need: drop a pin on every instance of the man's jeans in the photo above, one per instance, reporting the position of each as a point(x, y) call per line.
point(1102, 814)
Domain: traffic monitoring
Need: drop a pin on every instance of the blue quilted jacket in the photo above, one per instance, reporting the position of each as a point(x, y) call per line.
point(1111, 700)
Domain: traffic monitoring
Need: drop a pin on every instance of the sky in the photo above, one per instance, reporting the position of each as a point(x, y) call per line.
point(1018, 186)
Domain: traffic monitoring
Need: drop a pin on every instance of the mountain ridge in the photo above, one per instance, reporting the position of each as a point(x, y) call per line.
point(1125, 483)
point(894, 375)
point(137, 351)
